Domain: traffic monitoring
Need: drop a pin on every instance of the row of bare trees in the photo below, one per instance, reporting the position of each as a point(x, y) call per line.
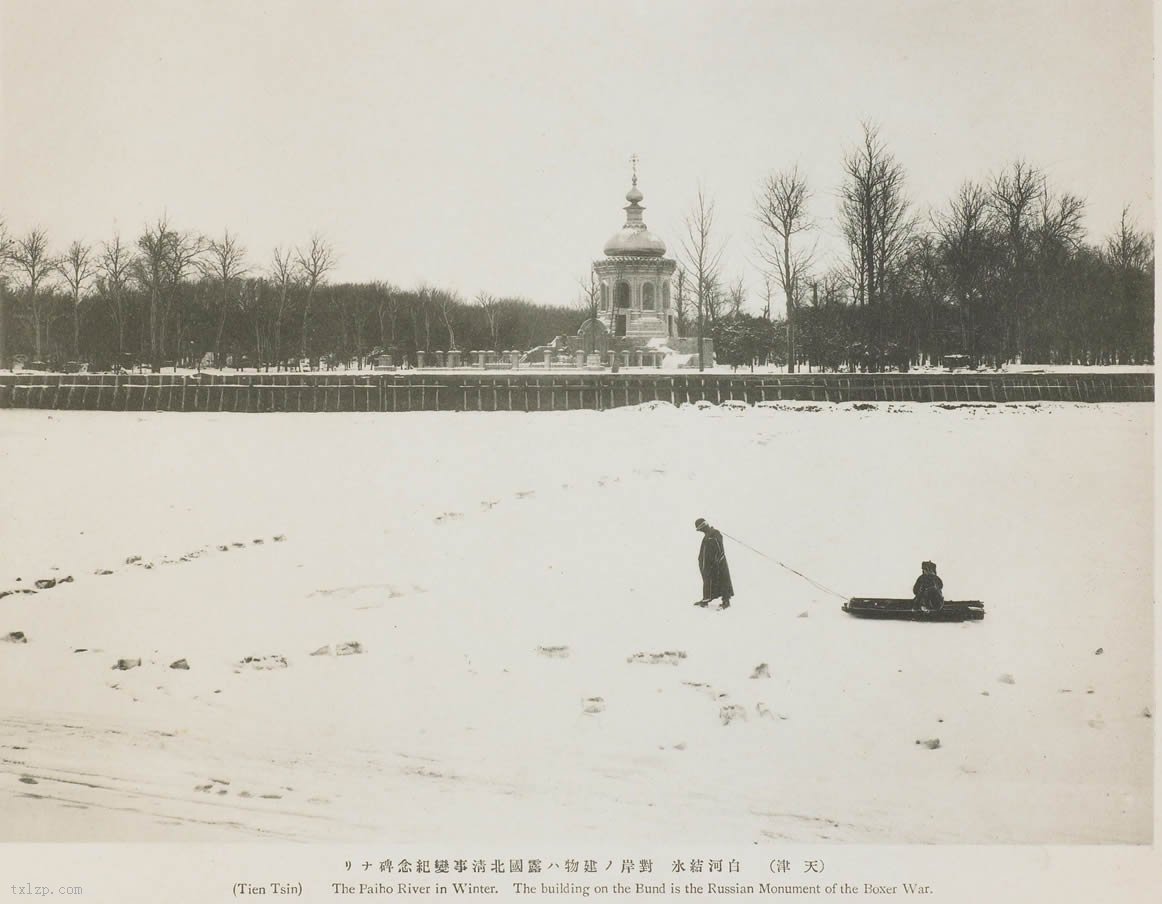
point(1002, 273)
point(172, 296)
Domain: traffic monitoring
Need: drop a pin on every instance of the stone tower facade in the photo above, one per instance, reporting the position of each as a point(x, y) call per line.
point(634, 277)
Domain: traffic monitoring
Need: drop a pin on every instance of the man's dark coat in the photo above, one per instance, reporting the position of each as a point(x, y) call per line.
point(712, 564)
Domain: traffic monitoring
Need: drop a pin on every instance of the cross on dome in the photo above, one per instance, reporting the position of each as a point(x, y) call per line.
point(634, 239)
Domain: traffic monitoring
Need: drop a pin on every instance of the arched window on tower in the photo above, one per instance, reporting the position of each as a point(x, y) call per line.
point(665, 295)
point(648, 296)
point(622, 296)
point(605, 296)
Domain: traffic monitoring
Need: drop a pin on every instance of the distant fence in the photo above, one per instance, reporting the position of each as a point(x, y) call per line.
point(451, 391)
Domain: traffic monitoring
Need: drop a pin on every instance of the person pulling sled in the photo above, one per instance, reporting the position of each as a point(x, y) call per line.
point(713, 566)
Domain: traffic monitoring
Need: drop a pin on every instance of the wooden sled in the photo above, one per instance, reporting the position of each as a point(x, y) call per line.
point(951, 611)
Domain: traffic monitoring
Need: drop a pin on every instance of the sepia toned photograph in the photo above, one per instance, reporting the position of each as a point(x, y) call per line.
point(561, 426)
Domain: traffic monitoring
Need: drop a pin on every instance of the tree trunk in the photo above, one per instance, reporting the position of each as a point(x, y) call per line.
point(701, 332)
point(38, 342)
point(120, 314)
point(4, 365)
point(306, 315)
point(154, 356)
point(221, 329)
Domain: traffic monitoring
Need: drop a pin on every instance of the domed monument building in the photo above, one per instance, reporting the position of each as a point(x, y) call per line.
point(632, 318)
point(634, 279)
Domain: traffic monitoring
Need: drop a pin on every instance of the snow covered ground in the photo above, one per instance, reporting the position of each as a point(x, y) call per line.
point(529, 663)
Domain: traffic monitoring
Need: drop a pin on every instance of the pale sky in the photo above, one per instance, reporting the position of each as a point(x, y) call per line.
point(485, 146)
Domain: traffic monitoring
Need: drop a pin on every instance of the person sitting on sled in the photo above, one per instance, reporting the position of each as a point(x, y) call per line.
point(928, 589)
point(712, 564)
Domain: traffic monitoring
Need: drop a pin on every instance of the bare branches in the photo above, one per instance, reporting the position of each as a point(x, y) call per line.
point(32, 259)
point(6, 246)
point(702, 255)
point(77, 268)
point(284, 277)
point(1011, 200)
point(313, 264)
point(1129, 248)
point(151, 264)
point(387, 301)
point(681, 304)
point(225, 259)
point(781, 210)
point(702, 258)
point(448, 302)
point(115, 266)
point(874, 215)
point(490, 305)
point(34, 264)
point(736, 297)
point(167, 258)
point(1059, 220)
point(186, 256)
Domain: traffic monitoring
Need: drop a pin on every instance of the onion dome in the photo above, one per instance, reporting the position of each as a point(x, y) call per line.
point(633, 239)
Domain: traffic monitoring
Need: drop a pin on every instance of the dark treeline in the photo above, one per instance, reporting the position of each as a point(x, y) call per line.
point(170, 297)
point(1002, 273)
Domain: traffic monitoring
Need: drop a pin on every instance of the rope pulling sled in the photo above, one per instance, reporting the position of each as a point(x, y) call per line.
point(884, 607)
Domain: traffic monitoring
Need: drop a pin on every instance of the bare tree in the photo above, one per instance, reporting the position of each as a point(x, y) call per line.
point(166, 259)
point(253, 306)
point(1130, 254)
point(1059, 219)
point(355, 308)
point(185, 258)
point(114, 270)
point(448, 302)
point(966, 250)
point(1128, 248)
point(1012, 203)
point(34, 265)
point(6, 248)
point(424, 307)
point(681, 302)
point(702, 257)
point(714, 300)
point(736, 297)
point(313, 264)
point(387, 311)
point(781, 210)
point(150, 269)
point(767, 297)
point(875, 216)
point(283, 278)
point(77, 269)
point(490, 305)
point(225, 262)
point(589, 302)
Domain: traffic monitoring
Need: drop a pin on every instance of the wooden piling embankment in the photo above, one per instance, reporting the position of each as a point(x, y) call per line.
point(419, 390)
